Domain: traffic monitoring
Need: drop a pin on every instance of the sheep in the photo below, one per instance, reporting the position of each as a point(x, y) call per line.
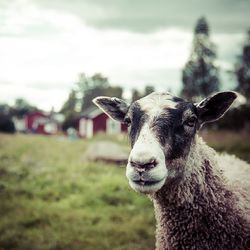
point(201, 198)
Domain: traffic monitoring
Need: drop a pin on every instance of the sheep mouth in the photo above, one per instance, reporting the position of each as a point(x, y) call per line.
point(146, 186)
point(146, 183)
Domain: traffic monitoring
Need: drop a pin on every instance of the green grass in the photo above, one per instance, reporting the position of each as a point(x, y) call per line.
point(237, 143)
point(51, 198)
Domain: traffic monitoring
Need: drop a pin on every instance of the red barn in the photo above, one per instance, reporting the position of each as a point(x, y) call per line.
point(40, 123)
point(93, 121)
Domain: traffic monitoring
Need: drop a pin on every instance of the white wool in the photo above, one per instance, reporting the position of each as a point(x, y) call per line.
point(146, 148)
point(155, 103)
point(235, 172)
point(234, 169)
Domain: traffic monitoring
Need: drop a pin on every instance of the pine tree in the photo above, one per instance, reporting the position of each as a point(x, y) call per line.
point(242, 69)
point(200, 75)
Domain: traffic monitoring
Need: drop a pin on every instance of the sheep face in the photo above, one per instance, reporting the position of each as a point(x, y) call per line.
point(162, 128)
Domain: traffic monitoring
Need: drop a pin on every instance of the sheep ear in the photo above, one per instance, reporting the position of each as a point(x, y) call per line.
point(112, 106)
point(214, 107)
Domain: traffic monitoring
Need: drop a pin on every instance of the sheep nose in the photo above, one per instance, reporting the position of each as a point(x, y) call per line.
point(143, 165)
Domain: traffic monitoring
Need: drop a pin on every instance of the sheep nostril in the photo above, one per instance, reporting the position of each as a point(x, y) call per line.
point(145, 165)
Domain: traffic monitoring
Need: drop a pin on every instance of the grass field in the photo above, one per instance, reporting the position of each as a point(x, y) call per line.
point(51, 198)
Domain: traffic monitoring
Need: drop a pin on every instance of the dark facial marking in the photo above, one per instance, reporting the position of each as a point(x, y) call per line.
point(177, 99)
point(138, 118)
point(172, 132)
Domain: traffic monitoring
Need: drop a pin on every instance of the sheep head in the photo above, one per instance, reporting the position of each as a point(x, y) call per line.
point(162, 128)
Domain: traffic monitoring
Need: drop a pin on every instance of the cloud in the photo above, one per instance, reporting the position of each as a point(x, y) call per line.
point(150, 16)
point(45, 44)
point(44, 99)
point(24, 18)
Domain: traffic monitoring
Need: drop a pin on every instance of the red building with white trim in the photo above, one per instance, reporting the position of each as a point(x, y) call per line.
point(94, 121)
point(40, 123)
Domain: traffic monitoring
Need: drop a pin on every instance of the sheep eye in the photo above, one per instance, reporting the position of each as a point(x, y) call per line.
point(127, 121)
point(190, 122)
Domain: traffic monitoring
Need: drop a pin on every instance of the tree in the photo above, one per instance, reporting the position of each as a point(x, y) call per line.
point(90, 87)
point(200, 75)
point(4, 109)
point(70, 104)
point(69, 110)
point(148, 90)
point(21, 108)
point(135, 95)
point(80, 98)
point(242, 69)
point(6, 124)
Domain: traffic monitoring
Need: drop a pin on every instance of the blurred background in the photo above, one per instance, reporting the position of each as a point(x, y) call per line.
point(62, 175)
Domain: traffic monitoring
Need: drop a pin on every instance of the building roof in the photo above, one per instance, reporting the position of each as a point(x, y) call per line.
point(91, 112)
point(43, 114)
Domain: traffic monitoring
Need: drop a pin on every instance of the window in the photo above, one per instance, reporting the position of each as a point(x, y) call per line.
point(86, 128)
point(113, 127)
point(82, 127)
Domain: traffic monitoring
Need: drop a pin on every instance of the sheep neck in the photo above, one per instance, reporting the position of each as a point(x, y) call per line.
point(193, 209)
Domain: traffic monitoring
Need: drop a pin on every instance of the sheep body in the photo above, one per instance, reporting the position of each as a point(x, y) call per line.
point(208, 207)
point(201, 198)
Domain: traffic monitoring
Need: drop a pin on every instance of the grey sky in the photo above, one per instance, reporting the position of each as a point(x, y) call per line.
point(45, 44)
point(150, 16)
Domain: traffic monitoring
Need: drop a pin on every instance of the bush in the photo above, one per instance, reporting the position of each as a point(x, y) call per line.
point(235, 119)
point(6, 124)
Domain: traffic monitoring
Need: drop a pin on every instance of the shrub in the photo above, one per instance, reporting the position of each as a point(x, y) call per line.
point(6, 124)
